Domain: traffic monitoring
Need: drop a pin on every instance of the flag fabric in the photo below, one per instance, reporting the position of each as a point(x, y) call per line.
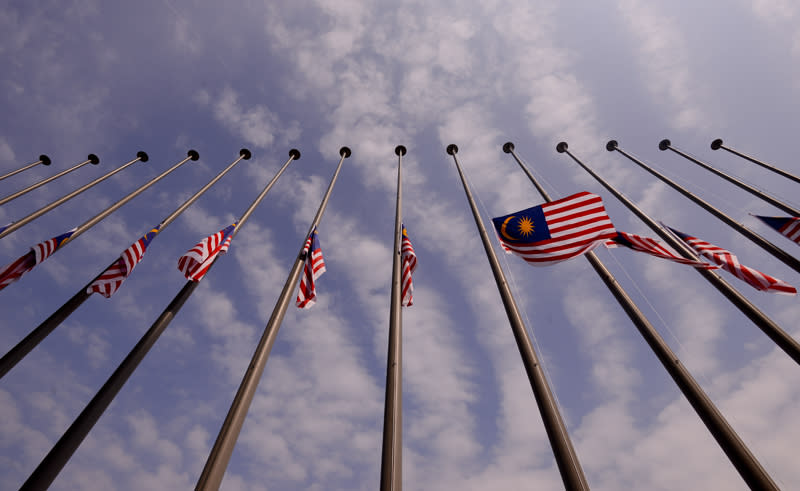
point(788, 226)
point(730, 263)
point(313, 269)
point(652, 247)
point(556, 231)
point(408, 263)
point(2, 229)
point(195, 263)
point(111, 279)
point(38, 253)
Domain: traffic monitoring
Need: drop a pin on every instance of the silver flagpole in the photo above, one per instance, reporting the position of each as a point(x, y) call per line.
point(91, 159)
point(717, 144)
point(43, 159)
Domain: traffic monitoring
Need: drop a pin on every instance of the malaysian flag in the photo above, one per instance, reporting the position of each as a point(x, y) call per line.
point(38, 253)
point(313, 269)
point(730, 263)
point(652, 247)
point(408, 263)
point(556, 231)
point(111, 279)
point(195, 263)
point(788, 226)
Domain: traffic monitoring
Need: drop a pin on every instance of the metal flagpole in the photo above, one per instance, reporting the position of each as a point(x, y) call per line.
point(392, 455)
point(43, 159)
point(667, 145)
point(33, 216)
point(768, 246)
point(18, 352)
point(566, 458)
point(61, 452)
point(91, 159)
point(717, 144)
point(760, 319)
point(217, 463)
point(738, 453)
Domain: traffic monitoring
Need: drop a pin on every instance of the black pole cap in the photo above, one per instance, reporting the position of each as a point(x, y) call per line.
point(94, 159)
point(345, 152)
point(716, 144)
point(44, 159)
point(562, 147)
point(452, 149)
point(193, 154)
point(142, 155)
point(611, 145)
point(399, 150)
point(245, 154)
point(664, 144)
point(508, 147)
point(294, 153)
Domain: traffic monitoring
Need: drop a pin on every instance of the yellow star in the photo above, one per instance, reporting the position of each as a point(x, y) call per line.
point(525, 225)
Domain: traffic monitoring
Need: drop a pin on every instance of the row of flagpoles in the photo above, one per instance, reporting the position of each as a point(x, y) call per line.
point(552, 232)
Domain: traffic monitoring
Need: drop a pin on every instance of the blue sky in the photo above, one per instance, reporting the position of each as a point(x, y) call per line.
point(166, 76)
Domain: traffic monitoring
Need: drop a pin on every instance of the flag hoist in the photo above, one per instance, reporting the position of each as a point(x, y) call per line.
point(565, 456)
point(61, 452)
point(740, 456)
point(717, 144)
point(43, 159)
point(91, 159)
point(217, 463)
point(109, 280)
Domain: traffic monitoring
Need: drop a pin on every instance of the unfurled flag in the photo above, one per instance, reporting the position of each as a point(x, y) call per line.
point(37, 254)
point(556, 231)
point(111, 279)
point(313, 269)
point(652, 247)
point(195, 263)
point(730, 263)
point(408, 263)
point(788, 226)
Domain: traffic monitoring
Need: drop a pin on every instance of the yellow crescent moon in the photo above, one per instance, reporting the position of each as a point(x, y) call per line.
point(503, 228)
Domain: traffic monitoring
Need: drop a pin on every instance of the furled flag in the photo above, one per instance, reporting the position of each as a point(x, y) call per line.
point(195, 263)
point(111, 279)
point(788, 226)
point(313, 269)
point(556, 231)
point(652, 247)
point(730, 263)
point(408, 263)
point(5, 227)
point(38, 253)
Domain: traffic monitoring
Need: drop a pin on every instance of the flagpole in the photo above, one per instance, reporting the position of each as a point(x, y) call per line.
point(667, 145)
point(768, 246)
point(760, 319)
point(43, 159)
point(18, 352)
point(91, 159)
point(217, 463)
point(738, 453)
point(564, 453)
point(140, 156)
point(61, 452)
point(717, 144)
point(392, 454)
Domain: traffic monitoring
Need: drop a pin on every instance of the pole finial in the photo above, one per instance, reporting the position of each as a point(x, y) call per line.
point(452, 149)
point(664, 144)
point(508, 147)
point(245, 154)
point(142, 155)
point(562, 147)
point(94, 159)
point(716, 144)
point(294, 153)
point(45, 159)
point(345, 152)
point(399, 150)
point(193, 154)
point(611, 145)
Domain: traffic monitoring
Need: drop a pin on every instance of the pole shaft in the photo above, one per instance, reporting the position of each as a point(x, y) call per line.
point(565, 456)
point(217, 463)
point(24, 168)
point(41, 183)
point(762, 164)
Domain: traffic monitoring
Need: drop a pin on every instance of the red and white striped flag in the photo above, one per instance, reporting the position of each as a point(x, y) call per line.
point(195, 263)
point(38, 253)
point(652, 247)
point(408, 264)
point(730, 263)
point(313, 269)
point(787, 226)
point(111, 279)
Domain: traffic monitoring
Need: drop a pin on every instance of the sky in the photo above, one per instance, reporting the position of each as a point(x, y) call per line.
point(165, 76)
